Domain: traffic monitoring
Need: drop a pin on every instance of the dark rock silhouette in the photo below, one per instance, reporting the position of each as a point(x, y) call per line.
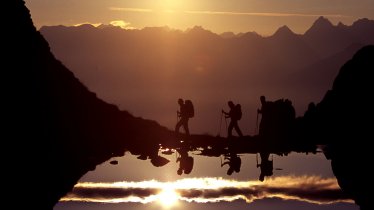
point(58, 128)
point(342, 122)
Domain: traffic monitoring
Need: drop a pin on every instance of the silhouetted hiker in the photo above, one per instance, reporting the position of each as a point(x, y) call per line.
point(266, 166)
point(185, 162)
point(287, 118)
point(234, 114)
point(265, 115)
point(289, 110)
point(234, 163)
point(186, 111)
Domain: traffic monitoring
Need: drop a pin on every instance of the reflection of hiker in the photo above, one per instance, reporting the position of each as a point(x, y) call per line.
point(266, 166)
point(234, 163)
point(185, 112)
point(185, 162)
point(235, 114)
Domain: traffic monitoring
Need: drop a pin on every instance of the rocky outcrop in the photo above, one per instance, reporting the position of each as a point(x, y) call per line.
point(342, 121)
point(58, 129)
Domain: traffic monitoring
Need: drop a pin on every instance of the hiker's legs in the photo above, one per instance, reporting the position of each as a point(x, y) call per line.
point(264, 127)
point(185, 126)
point(178, 125)
point(236, 126)
point(231, 126)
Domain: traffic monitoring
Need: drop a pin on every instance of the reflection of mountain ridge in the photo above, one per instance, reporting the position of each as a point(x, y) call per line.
point(59, 130)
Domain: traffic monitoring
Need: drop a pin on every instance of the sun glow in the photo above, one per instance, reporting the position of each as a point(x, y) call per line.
point(168, 197)
point(312, 189)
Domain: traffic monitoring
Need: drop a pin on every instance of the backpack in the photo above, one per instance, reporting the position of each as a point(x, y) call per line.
point(238, 112)
point(279, 118)
point(190, 112)
point(283, 109)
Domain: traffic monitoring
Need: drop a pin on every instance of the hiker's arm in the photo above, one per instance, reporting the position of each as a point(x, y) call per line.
point(226, 114)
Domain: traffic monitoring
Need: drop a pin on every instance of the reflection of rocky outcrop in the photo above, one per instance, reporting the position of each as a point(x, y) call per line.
point(58, 128)
point(342, 120)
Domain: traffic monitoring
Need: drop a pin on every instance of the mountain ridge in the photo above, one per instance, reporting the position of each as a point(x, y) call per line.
point(320, 23)
point(204, 59)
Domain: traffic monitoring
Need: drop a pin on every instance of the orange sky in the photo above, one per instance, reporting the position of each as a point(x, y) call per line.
point(261, 16)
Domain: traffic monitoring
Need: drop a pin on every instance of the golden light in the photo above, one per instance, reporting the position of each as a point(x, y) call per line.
point(311, 189)
point(168, 197)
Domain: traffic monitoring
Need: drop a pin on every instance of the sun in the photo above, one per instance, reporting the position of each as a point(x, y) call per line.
point(168, 197)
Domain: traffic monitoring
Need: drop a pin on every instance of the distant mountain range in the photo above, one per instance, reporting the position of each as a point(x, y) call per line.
point(159, 64)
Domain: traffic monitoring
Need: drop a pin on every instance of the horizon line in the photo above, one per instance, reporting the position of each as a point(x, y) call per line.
point(96, 25)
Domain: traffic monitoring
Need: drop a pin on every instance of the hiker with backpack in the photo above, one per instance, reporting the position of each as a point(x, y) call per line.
point(265, 115)
point(234, 114)
point(186, 111)
point(277, 119)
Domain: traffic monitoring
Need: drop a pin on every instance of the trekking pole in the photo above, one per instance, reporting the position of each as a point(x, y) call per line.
point(256, 128)
point(220, 125)
point(227, 132)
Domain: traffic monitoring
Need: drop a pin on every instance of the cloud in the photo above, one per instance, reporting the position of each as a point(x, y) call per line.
point(124, 9)
point(312, 189)
point(121, 23)
point(88, 23)
point(207, 12)
point(265, 14)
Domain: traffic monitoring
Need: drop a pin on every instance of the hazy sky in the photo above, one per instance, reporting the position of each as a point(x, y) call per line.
point(262, 16)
